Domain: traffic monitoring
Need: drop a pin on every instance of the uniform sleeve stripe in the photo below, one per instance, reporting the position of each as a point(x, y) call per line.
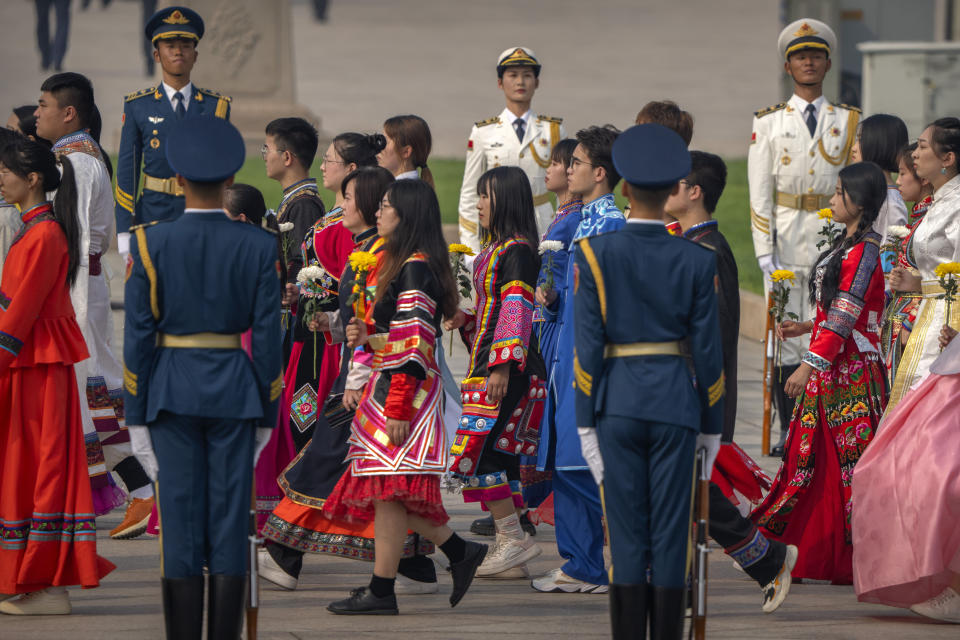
point(584, 379)
point(124, 199)
point(597, 276)
point(276, 387)
point(715, 392)
point(151, 271)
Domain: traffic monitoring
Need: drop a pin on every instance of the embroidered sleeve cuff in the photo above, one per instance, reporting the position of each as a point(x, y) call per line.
point(504, 351)
point(817, 362)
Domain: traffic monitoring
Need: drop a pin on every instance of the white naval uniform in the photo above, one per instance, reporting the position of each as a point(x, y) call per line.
point(493, 143)
point(792, 175)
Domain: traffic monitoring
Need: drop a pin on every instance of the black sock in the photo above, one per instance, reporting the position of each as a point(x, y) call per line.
point(455, 548)
point(381, 587)
point(132, 473)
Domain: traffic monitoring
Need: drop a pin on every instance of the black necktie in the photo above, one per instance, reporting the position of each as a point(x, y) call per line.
point(811, 119)
point(179, 109)
point(520, 127)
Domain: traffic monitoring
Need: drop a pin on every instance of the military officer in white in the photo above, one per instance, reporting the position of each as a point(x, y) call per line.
point(517, 137)
point(796, 151)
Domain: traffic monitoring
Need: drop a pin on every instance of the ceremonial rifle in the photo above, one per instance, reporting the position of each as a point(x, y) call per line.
point(698, 621)
point(769, 346)
point(253, 588)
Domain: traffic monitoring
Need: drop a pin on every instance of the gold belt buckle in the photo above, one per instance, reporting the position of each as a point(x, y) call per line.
point(810, 201)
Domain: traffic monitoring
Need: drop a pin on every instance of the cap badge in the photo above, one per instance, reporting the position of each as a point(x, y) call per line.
point(177, 18)
point(805, 30)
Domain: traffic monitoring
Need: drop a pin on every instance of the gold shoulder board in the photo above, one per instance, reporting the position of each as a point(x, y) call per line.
point(138, 94)
point(768, 110)
point(484, 123)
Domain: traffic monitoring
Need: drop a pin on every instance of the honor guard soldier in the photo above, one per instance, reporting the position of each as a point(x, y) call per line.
point(517, 137)
point(634, 337)
point(200, 406)
point(148, 115)
point(797, 149)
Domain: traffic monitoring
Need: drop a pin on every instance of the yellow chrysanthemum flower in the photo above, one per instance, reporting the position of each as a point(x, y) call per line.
point(947, 268)
point(783, 274)
point(362, 261)
point(460, 248)
point(825, 214)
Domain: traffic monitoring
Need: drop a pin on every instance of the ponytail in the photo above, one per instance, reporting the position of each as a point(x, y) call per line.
point(412, 131)
point(427, 176)
point(65, 211)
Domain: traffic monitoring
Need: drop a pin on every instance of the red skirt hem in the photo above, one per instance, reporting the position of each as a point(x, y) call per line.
point(352, 500)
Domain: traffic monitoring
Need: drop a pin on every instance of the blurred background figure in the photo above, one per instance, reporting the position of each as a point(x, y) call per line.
point(52, 51)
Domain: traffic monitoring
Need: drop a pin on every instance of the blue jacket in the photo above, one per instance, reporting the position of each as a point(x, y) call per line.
point(644, 285)
point(147, 114)
point(202, 273)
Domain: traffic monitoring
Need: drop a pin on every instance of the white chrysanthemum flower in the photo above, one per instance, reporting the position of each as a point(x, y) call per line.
point(898, 231)
point(309, 274)
point(550, 245)
point(286, 226)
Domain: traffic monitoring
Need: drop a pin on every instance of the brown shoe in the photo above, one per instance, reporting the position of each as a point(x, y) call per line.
point(135, 520)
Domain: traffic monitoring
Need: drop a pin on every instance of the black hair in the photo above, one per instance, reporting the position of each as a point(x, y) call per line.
point(359, 148)
point(27, 123)
point(946, 138)
point(708, 172)
point(246, 199)
point(598, 143)
point(95, 127)
point(9, 136)
point(414, 132)
point(371, 184)
point(562, 152)
point(906, 157)
point(864, 185)
point(297, 136)
point(23, 157)
point(72, 90)
point(419, 229)
point(881, 138)
point(511, 204)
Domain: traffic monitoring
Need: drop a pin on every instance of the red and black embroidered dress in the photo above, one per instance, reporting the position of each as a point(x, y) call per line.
point(901, 313)
point(405, 385)
point(48, 535)
point(491, 436)
point(834, 420)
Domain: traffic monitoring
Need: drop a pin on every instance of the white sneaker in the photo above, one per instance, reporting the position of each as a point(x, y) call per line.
point(37, 603)
point(558, 582)
point(776, 592)
point(409, 587)
point(508, 554)
point(270, 571)
point(519, 572)
point(945, 606)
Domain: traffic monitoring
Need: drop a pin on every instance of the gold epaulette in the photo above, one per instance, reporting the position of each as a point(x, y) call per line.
point(145, 225)
point(849, 107)
point(214, 94)
point(139, 94)
point(776, 107)
point(483, 123)
point(223, 102)
point(550, 119)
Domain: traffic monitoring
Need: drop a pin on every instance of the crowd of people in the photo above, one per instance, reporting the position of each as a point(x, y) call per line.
point(290, 361)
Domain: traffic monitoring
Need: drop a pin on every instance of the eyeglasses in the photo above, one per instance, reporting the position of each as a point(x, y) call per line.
point(327, 160)
point(576, 162)
point(689, 184)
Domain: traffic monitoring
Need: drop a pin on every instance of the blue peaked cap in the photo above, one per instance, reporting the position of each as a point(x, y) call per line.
point(205, 149)
point(651, 156)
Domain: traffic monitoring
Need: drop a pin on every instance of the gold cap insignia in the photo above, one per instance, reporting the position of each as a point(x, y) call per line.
point(176, 18)
point(518, 57)
point(805, 30)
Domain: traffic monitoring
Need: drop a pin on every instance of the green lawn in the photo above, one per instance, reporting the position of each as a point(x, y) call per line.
point(733, 211)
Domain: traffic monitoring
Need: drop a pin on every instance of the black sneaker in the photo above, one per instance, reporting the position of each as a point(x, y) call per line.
point(483, 526)
point(526, 525)
point(463, 571)
point(363, 602)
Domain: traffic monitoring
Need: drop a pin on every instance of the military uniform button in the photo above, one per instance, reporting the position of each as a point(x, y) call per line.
point(811, 172)
point(809, 189)
point(521, 154)
point(811, 154)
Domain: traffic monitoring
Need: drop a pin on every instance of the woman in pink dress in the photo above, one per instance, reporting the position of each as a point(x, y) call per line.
point(906, 497)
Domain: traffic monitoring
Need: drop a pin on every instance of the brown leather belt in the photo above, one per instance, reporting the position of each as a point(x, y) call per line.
point(163, 185)
point(803, 201)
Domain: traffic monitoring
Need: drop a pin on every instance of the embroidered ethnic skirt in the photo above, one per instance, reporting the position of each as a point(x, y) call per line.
point(48, 535)
point(809, 504)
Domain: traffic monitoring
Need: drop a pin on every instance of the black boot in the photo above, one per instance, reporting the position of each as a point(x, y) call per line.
point(226, 608)
point(666, 613)
point(783, 405)
point(628, 611)
point(183, 607)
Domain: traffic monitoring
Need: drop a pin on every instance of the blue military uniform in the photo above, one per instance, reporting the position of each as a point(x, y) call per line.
point(637, 336)
point(193, 287)
point(146, 185)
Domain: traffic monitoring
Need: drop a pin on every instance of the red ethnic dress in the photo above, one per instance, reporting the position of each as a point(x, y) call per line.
point(405, 385)
point(834, 420)
point(47, 530)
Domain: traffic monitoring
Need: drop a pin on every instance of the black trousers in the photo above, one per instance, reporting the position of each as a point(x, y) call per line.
point(759, 556)
point(53, 51)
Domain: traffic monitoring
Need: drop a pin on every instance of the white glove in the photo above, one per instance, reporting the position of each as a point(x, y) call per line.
point(143, 450)
point(768, 263)
point(123, 243)
point(261, 438)
point(590, 448)
point(710, 442)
